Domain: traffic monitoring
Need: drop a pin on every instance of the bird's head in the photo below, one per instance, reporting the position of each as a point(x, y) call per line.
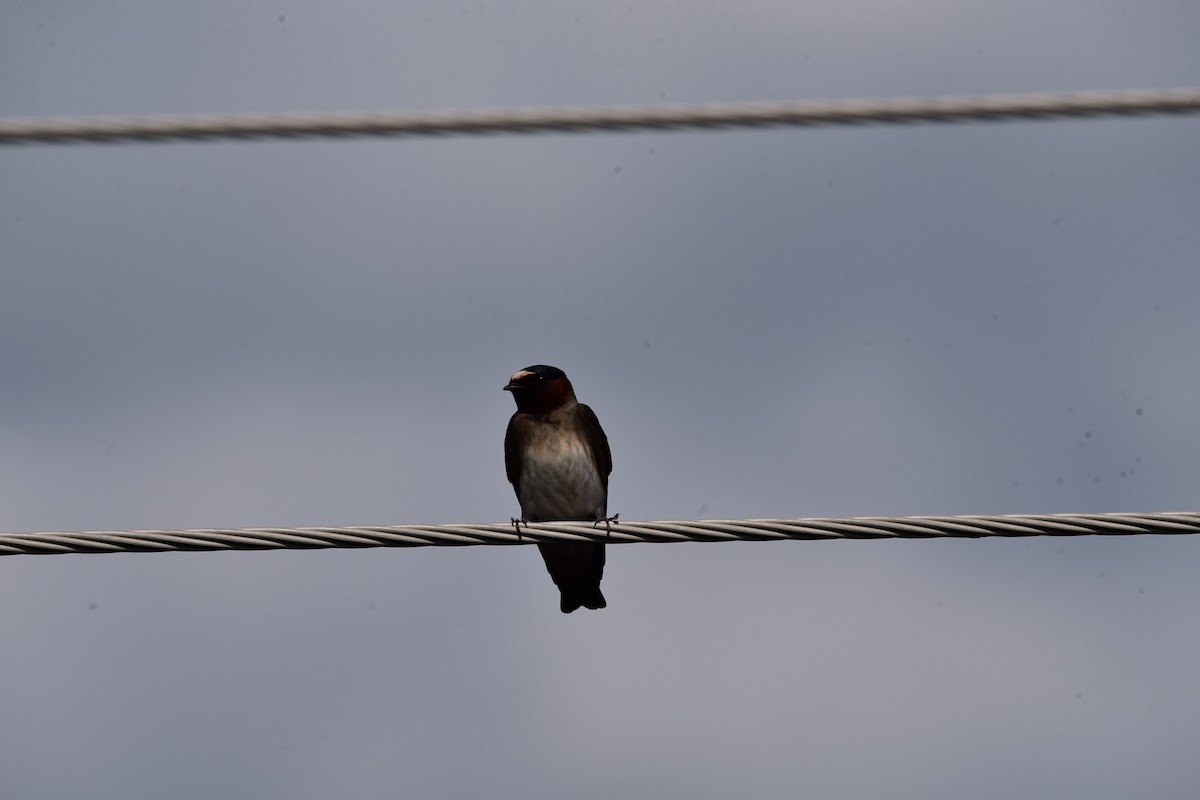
point(540, 389)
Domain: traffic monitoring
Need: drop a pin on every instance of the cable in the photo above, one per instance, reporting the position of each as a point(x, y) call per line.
point(96, 130)
point(682, 531)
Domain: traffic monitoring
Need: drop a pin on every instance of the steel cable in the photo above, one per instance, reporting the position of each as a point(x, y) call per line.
point(970, 527)
point(100, 130)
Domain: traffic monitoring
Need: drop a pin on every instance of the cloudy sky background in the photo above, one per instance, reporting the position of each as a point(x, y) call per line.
point(885, 321)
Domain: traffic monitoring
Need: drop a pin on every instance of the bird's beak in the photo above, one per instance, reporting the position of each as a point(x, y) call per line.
point(509, 387)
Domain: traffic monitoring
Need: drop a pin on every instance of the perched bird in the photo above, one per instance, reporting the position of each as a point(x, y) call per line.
point(558, 462)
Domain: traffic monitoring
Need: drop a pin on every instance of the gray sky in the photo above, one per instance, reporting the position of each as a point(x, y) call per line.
point(943, 320)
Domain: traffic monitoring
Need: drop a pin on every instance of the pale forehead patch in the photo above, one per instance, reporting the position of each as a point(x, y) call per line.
point(519, 375)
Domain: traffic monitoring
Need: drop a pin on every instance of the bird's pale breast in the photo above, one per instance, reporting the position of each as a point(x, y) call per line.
point(559, 480)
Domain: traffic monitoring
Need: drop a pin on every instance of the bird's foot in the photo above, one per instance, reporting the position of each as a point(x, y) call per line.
point(517, 523)
point(608, 522)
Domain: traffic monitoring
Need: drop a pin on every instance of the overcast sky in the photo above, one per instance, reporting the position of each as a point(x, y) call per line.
point(921, 320)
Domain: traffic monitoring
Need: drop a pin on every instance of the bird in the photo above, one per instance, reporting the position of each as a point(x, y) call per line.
point(557, 459)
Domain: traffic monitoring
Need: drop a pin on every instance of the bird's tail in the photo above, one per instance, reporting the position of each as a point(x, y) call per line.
point(576, 568)
point(574, 598)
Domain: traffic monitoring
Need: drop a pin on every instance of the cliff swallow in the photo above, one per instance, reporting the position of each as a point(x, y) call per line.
point(558, 462)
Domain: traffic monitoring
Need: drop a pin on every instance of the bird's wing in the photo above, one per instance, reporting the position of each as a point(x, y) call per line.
point(514, 439)
point(597, 442)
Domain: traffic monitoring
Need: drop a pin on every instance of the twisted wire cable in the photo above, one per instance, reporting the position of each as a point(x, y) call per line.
point(970, 527)
point(96, 130)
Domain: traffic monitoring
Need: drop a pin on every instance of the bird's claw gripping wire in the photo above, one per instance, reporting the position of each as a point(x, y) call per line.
point(608, 522)
point(517, 523)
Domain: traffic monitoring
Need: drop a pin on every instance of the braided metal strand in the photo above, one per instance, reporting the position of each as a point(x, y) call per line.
point(906, 110)
point(153, 541)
